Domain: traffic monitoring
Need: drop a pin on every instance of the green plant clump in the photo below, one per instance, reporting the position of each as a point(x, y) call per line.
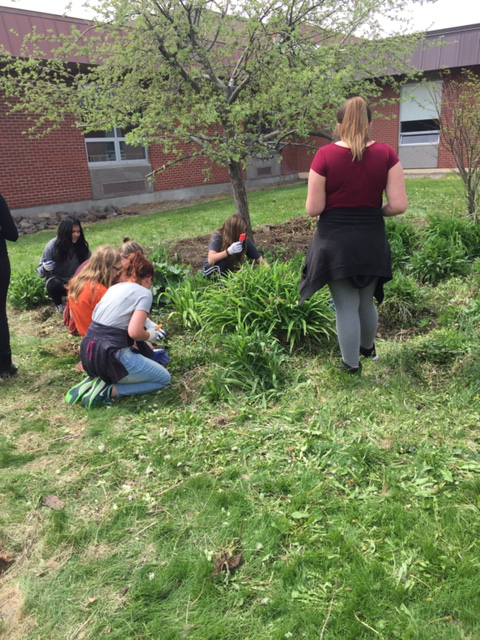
point(440, 258)
point(248, 361)
point(27, 290)
point(403, 239)
point(258, 299)
point(167, 274)
point(405, 301)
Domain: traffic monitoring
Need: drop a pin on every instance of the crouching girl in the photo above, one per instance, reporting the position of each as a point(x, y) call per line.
point(114, 351)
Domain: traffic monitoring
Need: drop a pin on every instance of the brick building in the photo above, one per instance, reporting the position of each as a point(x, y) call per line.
point(69, 171)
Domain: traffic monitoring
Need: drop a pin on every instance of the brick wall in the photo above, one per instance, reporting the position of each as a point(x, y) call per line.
point(189, 173)
point(41, 171)
point(298, 159)
point(385, 120)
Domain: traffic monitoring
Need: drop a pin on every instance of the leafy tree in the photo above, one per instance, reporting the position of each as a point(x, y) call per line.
point(460, 127)
point(206, 78)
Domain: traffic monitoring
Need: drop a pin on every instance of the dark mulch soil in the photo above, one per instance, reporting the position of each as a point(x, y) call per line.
point(283, 241)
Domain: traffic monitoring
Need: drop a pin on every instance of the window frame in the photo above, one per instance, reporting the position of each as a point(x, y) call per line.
point(116, 139)
point(431, 109)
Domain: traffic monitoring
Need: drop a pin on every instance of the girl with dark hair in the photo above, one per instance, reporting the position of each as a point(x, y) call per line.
point(8, 231)
point(228, 248)
point(349, 251)
point(61, 258)
point(114, 352)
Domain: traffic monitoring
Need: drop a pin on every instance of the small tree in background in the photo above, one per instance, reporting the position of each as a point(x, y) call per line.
point(460, 132)
point(210, 79)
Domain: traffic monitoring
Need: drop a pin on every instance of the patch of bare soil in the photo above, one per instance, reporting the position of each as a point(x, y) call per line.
point(284, 241)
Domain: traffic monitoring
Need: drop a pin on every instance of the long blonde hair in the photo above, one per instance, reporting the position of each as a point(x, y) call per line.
point(354, 116)
point(98, 269)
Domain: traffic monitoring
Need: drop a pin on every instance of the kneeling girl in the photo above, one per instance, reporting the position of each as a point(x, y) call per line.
point(114, 352)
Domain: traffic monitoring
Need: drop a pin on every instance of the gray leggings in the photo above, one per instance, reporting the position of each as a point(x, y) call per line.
point(356, 317)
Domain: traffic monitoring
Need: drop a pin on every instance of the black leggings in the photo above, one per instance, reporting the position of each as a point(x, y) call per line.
point(4, 282)
point(56, 289)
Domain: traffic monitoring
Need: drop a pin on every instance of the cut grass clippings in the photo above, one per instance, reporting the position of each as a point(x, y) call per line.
point(340, 508)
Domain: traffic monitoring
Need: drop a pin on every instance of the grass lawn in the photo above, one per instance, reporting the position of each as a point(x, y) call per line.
point(334, 508)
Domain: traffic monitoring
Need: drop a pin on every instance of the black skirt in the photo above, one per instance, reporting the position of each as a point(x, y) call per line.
point(347, 244)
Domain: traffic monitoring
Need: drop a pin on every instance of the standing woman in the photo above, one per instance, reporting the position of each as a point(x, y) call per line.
point(114, 351)
point(61, 258)
point(8, 231)
point(227, 252)
point(350, 250)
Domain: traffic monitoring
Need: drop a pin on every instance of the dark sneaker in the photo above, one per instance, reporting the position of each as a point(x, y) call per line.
point(76, 393)
point(346, 368)
point(98, 395)
point(9, 373)
point(369, 353)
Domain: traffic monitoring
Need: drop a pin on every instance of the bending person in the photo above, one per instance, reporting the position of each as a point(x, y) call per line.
point(8, 231)
point(228, 248)
point(61, 258)
point(128, 247)
point(350, 250)
point(114, 351)
point(89, 286)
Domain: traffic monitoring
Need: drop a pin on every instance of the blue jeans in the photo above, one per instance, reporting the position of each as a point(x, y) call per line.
point(144, 375)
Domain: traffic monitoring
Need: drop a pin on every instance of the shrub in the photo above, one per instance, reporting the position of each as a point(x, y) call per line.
point(266, 300)
point(466, 231)
point(248, 361)
point(27, 290)
point(185, 298)
point(403, 239)
point(167, 274)
point(440, 258)
point(404, 302)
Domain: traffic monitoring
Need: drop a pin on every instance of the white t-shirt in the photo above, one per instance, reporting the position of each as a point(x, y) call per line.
point(120, 301)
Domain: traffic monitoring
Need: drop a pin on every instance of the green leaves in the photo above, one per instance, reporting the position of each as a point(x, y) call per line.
point(257, 299)
point(27, 290)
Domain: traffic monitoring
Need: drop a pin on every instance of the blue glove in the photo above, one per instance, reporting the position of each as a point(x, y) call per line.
point(160, 356)
point(49, 265)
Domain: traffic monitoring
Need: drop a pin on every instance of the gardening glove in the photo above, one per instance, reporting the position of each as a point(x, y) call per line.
point(49, 265)
point(152, 334)
point(160, 334)
point(236, 247)
point(150, 324)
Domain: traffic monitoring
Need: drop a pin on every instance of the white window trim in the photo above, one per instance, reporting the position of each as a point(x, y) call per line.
point(114, 163)
point(412, 134)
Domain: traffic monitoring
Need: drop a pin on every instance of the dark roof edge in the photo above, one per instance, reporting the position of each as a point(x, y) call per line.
point(56, 16)
point(441, 32)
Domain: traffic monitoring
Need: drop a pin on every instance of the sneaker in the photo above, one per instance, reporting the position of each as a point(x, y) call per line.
point(9, 373)
point(76, 393)
point(59, 308)
point(346, 368)
point(369, 353)
point(98, 394)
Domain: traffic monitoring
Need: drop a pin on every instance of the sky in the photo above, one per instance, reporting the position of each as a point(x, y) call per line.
point(440, 15)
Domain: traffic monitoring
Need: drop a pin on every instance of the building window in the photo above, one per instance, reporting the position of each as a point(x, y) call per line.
point(110, 146)
point(419, 113)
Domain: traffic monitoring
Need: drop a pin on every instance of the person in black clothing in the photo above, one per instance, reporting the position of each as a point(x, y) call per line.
point(8, 231)
point(228, 248)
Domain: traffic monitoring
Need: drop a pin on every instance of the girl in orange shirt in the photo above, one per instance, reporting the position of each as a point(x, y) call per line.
point(88, 287)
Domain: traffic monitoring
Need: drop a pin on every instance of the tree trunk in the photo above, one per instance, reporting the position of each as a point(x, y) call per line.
point(240, 193)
